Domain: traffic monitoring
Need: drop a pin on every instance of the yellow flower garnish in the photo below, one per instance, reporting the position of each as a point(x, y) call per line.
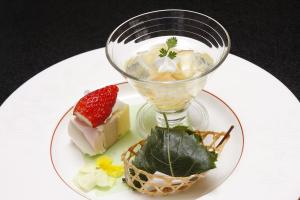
point(105, 163)
point(115, 171)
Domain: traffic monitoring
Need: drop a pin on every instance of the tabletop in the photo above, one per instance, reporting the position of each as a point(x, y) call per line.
point(37, 34)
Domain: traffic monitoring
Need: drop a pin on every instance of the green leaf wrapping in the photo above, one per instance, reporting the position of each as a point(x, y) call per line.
point(175, 152)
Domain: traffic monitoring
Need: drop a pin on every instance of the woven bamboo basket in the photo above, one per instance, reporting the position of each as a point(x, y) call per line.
point(160, 184)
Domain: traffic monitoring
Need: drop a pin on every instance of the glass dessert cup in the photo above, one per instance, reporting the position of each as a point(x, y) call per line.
point(175, 98)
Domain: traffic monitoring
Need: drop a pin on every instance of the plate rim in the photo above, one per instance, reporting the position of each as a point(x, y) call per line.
point(125, 82)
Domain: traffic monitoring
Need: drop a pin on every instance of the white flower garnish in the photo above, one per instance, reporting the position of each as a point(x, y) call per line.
point(165, 64)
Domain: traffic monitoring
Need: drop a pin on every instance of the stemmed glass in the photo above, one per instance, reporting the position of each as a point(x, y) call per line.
point(194, 31)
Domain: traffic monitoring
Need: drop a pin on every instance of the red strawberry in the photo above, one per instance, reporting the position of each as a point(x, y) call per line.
point(95, 107)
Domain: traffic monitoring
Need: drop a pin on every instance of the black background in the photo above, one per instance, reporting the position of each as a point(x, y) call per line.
point(37, 34)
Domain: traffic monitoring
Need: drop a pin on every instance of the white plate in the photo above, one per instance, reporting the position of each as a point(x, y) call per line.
point(67, 160)
point(269, 112)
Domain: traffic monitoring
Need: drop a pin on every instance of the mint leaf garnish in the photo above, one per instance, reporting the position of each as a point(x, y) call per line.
point(171, 42)
point(172, 54)
point(163, 52)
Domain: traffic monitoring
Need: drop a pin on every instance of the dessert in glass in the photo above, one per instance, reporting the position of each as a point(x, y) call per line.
point(166, 56)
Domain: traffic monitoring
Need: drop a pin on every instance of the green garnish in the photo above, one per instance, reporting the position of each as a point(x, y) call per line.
point(172, 54)
point(163, 52)
point(171, 42)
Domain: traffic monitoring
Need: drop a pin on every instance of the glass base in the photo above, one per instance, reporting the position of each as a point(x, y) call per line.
point(195, 116)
